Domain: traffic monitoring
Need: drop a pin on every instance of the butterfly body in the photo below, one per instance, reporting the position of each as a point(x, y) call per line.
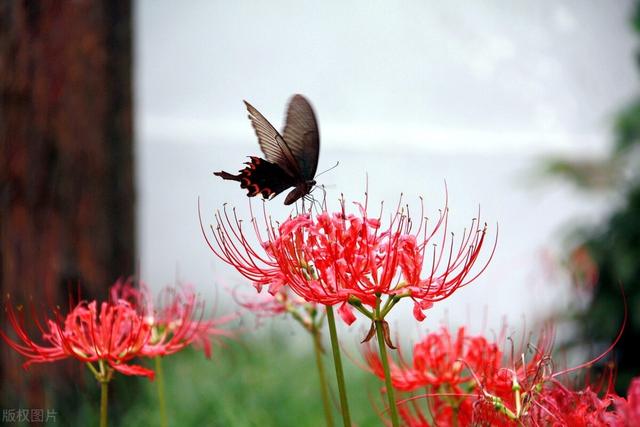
point(291, 158)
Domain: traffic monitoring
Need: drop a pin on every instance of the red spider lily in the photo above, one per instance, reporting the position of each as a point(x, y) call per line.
point(513, 388)
point(557, 406)
point(631, 406)
point(177, 322)
point(267, 305)
point(345, 258)
point(560, 406)
point(282, 302)
point(442, 366)
point(112, 332)
point(233, 247)
point(468, 383)
point(117, 331)
point(442, 363)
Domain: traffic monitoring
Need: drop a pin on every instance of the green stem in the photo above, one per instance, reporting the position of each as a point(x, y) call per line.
point(344, 405)
point(161, 398)
point(455, 416)
point(104, 398)
point(94, 371)
point(324, 388)
point(382, 348)
point(391, 302)
point(358, 306)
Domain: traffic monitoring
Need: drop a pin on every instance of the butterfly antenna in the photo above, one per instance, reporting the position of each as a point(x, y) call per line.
point(327, 170)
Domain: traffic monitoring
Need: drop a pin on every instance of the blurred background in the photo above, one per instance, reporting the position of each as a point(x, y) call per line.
point(410, 95)
point(526, 110)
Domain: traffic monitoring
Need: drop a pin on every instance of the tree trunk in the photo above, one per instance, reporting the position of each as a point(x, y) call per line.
point(66, 160)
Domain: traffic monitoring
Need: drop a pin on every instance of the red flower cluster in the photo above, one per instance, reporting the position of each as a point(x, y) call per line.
point(268, 305)
point(111, 332)
point(177, 321)
point(464, 381)
point(344, 258)
point(115, 332)
point(442, 361)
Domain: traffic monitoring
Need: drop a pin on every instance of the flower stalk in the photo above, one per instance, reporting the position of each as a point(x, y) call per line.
point(324, 387)
point(382, 348)
point(103, 375)
point(161, 397)
point(104, 398)
point(337, 361)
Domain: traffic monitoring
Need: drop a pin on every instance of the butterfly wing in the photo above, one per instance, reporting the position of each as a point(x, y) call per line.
point(272, 144)
point(301, 136)
point(261, 177)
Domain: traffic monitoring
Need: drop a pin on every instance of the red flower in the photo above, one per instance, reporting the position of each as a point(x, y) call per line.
point(111, 332)
point(177, 322)
point(627, 411)
point(446, 368)
point(560, 406)
point(632, 409)
point(511, 391)
point(115, 332)
point(440, 361)
point(345, 258)
point(463, 380)
point(282, 302)
point(267, 305)
point(233, 247)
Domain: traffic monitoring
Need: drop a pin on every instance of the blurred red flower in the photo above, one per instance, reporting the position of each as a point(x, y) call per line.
point(631, 406)
point(115, 332)
point(267, 305)
point(176, 322)
point(112, 332)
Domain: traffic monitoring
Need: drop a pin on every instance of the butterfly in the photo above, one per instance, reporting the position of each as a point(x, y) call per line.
point(291, 159)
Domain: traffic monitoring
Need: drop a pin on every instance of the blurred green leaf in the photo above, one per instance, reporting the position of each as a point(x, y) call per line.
point(253, 382)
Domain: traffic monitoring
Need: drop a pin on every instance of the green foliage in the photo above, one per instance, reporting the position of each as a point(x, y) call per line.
point(252, 382)
point(616, 250)
point(627, 127)
point(586, 174)
point(256, 380)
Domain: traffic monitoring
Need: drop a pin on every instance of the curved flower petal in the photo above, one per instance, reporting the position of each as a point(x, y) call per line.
point(133, 370)
point(346, 313)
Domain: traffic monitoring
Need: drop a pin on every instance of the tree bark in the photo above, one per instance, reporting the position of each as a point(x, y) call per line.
point(66, 158)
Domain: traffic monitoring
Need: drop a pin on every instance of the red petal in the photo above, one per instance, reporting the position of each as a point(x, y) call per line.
point(346, 313)
point(417, 312)
point(133, 370)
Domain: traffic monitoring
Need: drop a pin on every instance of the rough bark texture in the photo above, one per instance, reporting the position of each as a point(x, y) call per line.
point(66, 166)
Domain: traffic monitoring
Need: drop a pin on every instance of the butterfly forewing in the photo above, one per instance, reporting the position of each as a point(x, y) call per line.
point(302, 137)
point(271, 143)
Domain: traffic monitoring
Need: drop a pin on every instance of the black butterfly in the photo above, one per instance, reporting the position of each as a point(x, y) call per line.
point(291, 159)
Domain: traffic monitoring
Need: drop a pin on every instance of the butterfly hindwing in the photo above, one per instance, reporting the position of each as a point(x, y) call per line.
point(261, 177)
